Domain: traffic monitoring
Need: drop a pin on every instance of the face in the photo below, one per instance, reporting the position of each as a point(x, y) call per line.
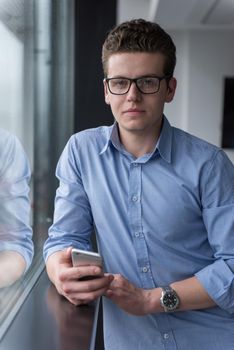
point(136, 112)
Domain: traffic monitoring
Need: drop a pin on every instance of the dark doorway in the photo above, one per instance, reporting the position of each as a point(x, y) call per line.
point(228, 114)
point(93, 20)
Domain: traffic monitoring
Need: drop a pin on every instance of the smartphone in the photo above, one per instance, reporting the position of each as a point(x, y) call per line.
point(84, 258)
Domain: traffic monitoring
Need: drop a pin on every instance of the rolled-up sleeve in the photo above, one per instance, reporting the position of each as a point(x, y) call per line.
point(218, 216)
point(73, 222)
point(15, 228)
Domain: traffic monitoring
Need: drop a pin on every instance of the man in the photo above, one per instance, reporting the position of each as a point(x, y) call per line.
point(162, 205)
point(16, 246)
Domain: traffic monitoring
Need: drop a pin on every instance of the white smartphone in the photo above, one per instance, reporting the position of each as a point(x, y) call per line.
point(84, 258)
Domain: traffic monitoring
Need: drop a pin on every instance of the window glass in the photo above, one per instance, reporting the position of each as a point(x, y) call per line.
point(36, 69)
point(16, 152)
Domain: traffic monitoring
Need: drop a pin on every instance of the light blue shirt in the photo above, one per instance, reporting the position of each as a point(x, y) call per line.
point(163, 217)
point(15, 230)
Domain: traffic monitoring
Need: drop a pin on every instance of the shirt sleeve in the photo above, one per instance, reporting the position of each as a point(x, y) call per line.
point(73, 221)
point(15, 229)
point(218, 216)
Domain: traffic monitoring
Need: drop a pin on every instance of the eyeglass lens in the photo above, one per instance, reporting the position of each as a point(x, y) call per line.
point(147, 85)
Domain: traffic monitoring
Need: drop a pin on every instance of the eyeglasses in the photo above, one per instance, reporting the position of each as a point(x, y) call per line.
point(146, 85)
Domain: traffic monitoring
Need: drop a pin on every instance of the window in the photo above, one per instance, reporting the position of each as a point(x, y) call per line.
point(36, 119)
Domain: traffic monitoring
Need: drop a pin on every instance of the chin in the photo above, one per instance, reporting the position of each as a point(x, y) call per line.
point(134, 129)
point(132, 124)
point(135, 126)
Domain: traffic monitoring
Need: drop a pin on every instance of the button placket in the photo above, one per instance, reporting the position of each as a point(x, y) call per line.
point(135, 220)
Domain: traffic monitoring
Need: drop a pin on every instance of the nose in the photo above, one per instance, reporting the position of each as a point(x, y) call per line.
point(134, 94)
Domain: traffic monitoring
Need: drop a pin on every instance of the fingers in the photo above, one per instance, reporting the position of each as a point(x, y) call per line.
point(127, 296)
point(118, 282)
point(120, 287)
point(117, 287)
point(70, 287)
point(83, 292)
point(85, 298)
point(77, 273)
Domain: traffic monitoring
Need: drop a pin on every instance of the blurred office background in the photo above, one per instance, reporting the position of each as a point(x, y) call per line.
point(203, 31)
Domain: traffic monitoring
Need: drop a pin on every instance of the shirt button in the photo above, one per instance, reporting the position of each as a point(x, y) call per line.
point(137, 234)
point(165, 335)
point(144, 269)
point(134, 198)
point(135, 164)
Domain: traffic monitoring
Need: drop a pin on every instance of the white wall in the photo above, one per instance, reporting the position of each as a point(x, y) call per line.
point(204, 59)
point(130, 9)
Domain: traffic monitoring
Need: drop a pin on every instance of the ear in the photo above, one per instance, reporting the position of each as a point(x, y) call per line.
point(106, 92)
point(171, 89)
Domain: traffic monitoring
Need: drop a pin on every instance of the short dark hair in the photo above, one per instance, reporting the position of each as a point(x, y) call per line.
point(139, 35)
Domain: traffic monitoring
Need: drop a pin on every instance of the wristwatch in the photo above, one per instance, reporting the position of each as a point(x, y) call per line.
point(169, 299)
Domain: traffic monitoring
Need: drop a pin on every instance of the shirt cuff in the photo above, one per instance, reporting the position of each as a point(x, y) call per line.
point(218, 281)
point(50, 251)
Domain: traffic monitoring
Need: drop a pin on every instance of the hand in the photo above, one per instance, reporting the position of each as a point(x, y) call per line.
point(66, 279)
point(131, 299)
point(12, 267)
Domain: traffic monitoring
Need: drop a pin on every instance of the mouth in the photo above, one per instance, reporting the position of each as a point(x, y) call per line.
point(133, 111)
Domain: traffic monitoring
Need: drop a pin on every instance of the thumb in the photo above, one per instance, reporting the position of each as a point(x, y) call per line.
point(68, 252)
point(66, 255)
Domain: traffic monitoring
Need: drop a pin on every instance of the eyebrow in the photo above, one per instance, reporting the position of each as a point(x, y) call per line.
point(138, 77)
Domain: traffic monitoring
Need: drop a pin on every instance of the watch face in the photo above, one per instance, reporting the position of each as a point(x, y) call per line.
point(170, 300)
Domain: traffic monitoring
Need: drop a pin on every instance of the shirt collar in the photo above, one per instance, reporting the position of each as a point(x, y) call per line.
point(163, 145)
point(112, 138)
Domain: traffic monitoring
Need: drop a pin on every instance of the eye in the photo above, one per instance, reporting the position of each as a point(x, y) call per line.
point(148, 82)
point(119, 83)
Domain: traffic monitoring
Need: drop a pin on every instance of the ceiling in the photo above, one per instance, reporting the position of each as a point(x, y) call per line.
point(183, 14)
point(171, 14)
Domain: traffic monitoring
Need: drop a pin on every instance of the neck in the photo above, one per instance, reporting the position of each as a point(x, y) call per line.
point(137, 142)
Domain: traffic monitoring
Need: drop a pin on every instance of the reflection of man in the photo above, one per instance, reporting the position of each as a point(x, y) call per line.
point(16, 247)
point(162, 202)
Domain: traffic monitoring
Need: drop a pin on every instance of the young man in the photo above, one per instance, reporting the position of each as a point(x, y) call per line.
point(16, 246)
point(161, 202)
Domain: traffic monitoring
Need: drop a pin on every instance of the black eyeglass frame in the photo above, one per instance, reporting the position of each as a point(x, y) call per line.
point(167, 77)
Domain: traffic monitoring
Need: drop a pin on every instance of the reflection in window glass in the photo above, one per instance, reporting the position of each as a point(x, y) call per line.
point(36, 119)
point(16, 151)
